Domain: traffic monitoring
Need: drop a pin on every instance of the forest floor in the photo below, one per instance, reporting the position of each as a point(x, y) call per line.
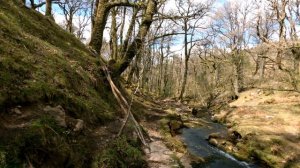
point(269, 122)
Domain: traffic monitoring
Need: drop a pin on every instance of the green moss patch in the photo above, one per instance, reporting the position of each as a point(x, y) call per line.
point(122, 153)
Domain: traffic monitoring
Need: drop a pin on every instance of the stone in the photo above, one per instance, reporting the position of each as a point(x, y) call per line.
point(214, 135)
point(58, 114)
point(194, 112)
point(270, 101)
point(16, 111)
point(79, 125)
point(234, 136)
point(213, 141)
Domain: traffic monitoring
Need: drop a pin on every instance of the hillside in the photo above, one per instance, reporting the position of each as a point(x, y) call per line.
point(52, 93)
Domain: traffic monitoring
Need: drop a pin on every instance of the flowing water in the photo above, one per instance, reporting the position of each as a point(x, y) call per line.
point(195, 138)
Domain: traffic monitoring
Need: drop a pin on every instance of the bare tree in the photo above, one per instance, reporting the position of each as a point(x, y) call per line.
point(294, 20)
point(231, 23)
point(190, 15)
point(279, 7)
point(264, 28)
point(70, 8)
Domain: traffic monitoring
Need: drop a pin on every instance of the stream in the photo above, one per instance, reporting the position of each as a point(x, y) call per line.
point(195, 139)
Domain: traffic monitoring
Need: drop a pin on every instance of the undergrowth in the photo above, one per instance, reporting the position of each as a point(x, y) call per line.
point(122, 153)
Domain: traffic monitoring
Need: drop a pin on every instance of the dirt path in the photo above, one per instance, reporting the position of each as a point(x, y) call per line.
point(160, 155)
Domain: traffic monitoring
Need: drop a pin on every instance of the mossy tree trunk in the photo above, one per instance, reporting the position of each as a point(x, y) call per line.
point(104, 7)
point(113, 35)
point(136, 45)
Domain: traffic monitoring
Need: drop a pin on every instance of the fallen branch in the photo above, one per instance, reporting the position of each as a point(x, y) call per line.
point(125, 107)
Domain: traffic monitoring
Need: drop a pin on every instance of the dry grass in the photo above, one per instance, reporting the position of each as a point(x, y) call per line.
point(269, 121)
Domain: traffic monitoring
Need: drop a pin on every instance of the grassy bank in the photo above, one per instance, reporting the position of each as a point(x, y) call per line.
point(269, 124)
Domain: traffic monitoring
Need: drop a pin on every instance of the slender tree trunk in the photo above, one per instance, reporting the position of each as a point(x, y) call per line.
point(160, 86)
point(70, 22)
point(113, 35)
point(138, 41)
point(236, 81)
point(166, 89)
point(281, 39)
point(238, 74)
point(186, 55)
point(217, 74)
point(262, 62)
point(123, 25)
point(179, 75)
point(130, 30)
point(135, 70)
point(94, 14)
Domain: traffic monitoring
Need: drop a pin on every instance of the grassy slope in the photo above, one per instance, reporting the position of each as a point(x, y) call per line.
point(41, 64)
point(269, 122)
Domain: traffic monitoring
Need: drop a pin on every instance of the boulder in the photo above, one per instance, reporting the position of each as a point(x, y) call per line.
point(234, 136)
point(175, 124)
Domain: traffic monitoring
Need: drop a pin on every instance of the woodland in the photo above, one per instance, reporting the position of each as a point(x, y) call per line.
point(149, 83)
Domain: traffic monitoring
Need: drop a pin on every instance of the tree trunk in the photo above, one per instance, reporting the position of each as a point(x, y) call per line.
point(135, 70)
point(94, 14)
point(238, 74)
point(138, 41)
point(122, 25)
point(166, 89)
point(49, 9)
point(161, 69)
point(113, 35)
point(262, 62)
point(217, 74)
point(70, 22)
point(99, 25)
point(186, 55)
point(236, 81)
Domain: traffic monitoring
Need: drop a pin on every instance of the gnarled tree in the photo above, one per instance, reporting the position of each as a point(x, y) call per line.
point(104, 8)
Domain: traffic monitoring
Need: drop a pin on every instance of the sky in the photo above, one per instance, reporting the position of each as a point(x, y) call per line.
point(177, 46)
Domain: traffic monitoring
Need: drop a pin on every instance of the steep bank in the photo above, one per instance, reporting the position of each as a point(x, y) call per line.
point(56, 108)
